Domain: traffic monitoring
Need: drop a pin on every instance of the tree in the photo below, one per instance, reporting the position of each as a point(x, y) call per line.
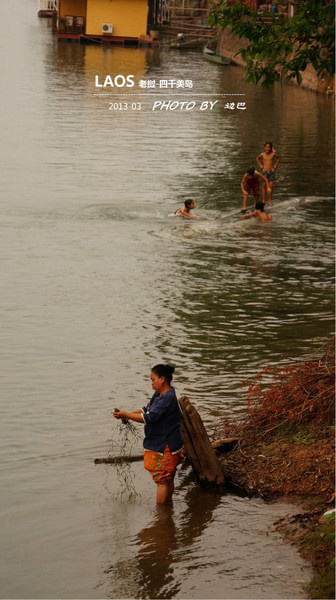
point(280, 49)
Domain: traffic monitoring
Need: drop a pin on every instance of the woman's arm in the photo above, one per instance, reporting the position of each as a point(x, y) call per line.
point(135, 415)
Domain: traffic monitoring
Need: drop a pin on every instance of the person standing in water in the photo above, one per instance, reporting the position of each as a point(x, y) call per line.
point(251, 183)
point(268, 162)
point(163, 440)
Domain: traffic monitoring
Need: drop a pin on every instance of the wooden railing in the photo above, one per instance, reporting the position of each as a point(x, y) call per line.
point(187, 8)
point(71, 24)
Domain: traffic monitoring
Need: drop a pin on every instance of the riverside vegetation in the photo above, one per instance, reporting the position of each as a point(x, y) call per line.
point(286, 452)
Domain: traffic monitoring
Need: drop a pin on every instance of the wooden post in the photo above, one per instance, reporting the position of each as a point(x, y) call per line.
point(197, 447)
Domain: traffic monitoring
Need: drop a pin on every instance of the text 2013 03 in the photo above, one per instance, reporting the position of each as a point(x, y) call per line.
point(125, 106)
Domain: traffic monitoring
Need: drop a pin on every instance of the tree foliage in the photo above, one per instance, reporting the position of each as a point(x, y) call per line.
point(281, 48)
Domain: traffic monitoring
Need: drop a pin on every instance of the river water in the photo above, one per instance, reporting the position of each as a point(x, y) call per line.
point(99, 283)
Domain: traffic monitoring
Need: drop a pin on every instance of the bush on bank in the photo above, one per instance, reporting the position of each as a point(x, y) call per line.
point(286, 451)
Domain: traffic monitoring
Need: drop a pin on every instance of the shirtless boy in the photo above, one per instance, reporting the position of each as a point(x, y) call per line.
point(268, 167)
point(258, 212)
point(251, 182)
point(185, 210)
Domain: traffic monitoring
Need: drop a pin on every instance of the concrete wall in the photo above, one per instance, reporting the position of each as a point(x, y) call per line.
point(229, 44)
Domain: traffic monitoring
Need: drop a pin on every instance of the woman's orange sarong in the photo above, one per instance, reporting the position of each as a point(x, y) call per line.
point(162, 467)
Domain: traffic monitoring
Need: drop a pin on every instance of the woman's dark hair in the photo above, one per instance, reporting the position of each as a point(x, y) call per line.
point(188, 202)
point(164, 371)
point(270, 143)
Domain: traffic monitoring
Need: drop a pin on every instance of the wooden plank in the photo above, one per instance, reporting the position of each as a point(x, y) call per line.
point(220, 446)
point(112, 460)
point(198, 448)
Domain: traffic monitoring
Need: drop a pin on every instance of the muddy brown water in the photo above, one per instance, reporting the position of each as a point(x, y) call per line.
point(99, 283)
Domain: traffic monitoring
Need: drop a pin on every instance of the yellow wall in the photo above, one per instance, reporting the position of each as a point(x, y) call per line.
point(129, 17)
point(77, 8)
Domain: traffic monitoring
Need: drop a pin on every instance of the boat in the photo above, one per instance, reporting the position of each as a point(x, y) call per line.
point(211, 54)
point(211, 46)
point(216, 58)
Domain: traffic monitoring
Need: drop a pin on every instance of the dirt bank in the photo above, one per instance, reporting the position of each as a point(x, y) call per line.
point(286, 453)
point(292, 462)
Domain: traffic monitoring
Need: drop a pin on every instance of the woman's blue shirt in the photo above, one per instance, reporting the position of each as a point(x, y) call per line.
point(162, 417)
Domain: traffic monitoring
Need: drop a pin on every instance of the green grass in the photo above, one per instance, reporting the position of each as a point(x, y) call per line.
point(320, 544)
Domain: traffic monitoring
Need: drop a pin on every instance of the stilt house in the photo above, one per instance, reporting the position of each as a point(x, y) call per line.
point(109, 20)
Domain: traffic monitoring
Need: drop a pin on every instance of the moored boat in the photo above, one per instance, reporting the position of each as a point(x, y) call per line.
point(212, 56)
point(210, 51)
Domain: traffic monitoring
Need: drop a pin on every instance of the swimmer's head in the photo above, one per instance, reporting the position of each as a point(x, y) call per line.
point(250, 171)
point(268, 146)
point(189, 203)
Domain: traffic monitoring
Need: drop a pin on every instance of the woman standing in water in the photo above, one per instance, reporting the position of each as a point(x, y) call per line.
point(163, 440)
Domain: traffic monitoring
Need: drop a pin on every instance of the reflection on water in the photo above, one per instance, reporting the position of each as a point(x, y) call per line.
point(99, 284)
point(206, 546)
point(151, 573)
point(162, 542)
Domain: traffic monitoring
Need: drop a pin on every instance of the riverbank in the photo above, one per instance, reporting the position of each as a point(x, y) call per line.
point(286, 453)
point(229, 44)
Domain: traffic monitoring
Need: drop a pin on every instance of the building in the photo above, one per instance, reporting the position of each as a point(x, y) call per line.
point(47, 8)
point(105, 20)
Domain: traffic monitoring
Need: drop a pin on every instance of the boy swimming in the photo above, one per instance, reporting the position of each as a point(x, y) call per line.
point(185, 210)
point(258, 212)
